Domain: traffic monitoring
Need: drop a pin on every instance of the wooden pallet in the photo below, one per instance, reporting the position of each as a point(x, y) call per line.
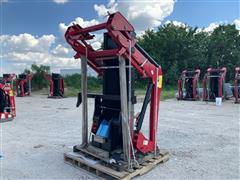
point(95, 167)
point(5, 120)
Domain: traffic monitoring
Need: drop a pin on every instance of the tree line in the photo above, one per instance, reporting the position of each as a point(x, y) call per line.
point(177, 48)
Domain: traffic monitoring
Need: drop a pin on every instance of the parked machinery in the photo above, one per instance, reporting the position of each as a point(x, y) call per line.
point(237, 85)
point(188, 85)
point(56, 83)
point(23, 85)
point(116, 137)
point(7, 101)
point(213, 84)
point(8, 78)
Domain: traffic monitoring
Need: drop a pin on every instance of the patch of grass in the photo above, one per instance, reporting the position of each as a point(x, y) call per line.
point(71, 92)
point(168, 94)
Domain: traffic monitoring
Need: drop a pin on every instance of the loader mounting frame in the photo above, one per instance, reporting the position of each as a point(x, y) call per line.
point(126, 54)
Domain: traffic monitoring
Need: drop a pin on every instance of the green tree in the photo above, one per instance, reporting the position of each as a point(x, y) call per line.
point(224, 49)
point(177, 48)
point(38, 81)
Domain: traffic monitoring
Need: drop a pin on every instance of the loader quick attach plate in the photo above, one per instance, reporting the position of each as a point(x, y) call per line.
point(100, 169)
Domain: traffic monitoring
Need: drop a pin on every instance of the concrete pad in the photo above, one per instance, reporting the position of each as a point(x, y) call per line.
point(203, 139)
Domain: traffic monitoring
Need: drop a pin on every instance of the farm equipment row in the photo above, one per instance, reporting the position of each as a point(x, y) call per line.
point(23, 88)
point(213, 85)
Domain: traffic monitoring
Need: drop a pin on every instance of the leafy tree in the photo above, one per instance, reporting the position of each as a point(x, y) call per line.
point(38, 81)
point(224, 49)
point(177, 48)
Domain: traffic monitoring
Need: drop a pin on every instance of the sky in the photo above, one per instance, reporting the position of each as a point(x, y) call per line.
point(32, 30)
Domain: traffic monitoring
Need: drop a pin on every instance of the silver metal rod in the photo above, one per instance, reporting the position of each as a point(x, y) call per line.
point(112, 67)
point(106, 58)
point(30, 87)
point(130, 88)
point(124, 108)
point(130, 119)
point(84, 100)
point(214, 76)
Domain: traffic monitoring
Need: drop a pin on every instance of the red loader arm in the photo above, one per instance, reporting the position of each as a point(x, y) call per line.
point(121, 32)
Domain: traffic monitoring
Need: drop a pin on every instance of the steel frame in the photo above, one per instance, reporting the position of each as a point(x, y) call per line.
point(181, 81)
point(122, 33)
point(48, 77)
point(20, 83)
point(221, 79)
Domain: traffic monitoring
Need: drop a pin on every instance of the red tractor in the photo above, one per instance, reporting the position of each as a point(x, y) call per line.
point(237, 85)
point(56, 83)
point(188, 85)
point(116, 136)
point(23, 85)
point(213, 84)
point(7, 101)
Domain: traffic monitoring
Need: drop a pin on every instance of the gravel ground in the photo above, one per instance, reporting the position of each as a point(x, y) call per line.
point(203, 140)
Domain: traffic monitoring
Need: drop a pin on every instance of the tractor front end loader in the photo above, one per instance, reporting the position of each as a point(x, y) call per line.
point(56, 83)
point(116, 137)
point(188, 85)
point(213, 84)
point(23, 85)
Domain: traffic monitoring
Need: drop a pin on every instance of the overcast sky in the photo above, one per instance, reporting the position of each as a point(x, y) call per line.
point(32, 30)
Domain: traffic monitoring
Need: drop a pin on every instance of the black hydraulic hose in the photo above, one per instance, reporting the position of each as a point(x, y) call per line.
point(144, 107)
point(146, 55)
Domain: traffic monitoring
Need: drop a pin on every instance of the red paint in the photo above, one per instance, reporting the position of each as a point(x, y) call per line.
point(20, 83)
point(221, 79)
point(236, 84)
point(195, 78)
point(8, 92)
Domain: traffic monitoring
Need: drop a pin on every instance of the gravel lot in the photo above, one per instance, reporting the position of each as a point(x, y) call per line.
point(203, 140)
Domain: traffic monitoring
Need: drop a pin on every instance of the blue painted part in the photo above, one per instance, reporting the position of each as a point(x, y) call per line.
point(103, 129)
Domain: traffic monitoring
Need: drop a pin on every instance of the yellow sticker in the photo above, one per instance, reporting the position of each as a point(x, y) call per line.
point(11, 93)
point(160, 81)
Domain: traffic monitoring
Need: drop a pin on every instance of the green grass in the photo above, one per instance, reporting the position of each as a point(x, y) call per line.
point(73, 92)
point(167, 93)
